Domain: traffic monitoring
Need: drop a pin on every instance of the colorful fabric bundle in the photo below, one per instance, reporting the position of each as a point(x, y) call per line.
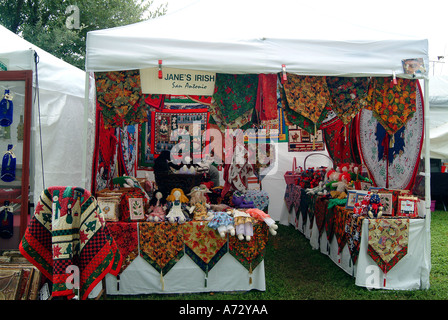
point(235, 98)
point(388, 241)
point(67, 229)
point(120, 98)
point(392, 105)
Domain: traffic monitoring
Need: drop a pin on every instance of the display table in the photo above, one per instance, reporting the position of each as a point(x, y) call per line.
point(161, 258)
point(326, 232)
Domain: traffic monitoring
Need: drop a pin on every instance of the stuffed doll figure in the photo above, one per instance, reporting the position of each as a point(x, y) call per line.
point(177, 208)
point(157, 208)
point(223, 223)
point(263, 216)
point(375, 209)
point(198, 203)
point(244, 225)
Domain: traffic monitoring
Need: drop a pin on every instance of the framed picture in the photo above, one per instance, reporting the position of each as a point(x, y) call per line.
point(360, 194)
point(136, 209)
point(351, 199)
point(109, 207)
point(407, 207)
point(387, 202)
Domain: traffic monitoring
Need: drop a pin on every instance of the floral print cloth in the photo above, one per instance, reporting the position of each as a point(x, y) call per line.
point(120, 98)
point(260, 198)
point(234, 98)
point(250, 253)
point(126, 237)
point(392, 105)
point(161, 245)
point(203, 244)
point(348, 96)
point(388, 241)
point(307, 96)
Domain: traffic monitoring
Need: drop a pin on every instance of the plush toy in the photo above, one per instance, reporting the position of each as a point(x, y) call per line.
point(357, 209)
point(198, 203)
point(365, 203)
point(177, 208)
point(375, 209)
point(223, 223)
point(239, 201)
point(262, 216)
point(157, 208)
point(244, 224)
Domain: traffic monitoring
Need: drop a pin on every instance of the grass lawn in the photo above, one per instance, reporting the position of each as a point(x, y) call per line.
point(294, 271)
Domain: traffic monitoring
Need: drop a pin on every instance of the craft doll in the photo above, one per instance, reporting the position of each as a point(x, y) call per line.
point(244, 225)
point(198, 203)
point(263, 216)
point(223, 223)
point(177, 208)
point(375, 208)
point(157, 208)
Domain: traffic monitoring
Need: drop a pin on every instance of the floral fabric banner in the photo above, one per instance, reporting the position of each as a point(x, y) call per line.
point(203, 244)
point(161, 245)
point(392, 105)
point(120, 98)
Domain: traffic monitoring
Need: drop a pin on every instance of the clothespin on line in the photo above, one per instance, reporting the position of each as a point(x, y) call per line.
point(394, 78)
point(160, 69)
point(284, 76)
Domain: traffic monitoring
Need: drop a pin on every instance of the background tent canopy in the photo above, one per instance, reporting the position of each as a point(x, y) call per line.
point(252, 37)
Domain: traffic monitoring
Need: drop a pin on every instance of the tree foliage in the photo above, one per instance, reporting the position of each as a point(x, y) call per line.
point(53, 25)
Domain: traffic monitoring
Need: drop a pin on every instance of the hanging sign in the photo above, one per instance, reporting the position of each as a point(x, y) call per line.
point(177, 81)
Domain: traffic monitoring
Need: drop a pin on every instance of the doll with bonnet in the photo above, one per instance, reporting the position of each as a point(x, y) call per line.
point(198, 203)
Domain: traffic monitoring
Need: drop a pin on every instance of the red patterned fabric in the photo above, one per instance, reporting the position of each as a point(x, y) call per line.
point(125, 235)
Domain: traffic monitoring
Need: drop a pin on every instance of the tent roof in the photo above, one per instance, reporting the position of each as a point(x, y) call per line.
point(252, 36)
point(54, 74)
point(438, 88)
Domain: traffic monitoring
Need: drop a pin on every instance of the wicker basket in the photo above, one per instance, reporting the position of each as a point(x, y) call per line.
point(291, 177)
point(318, 154)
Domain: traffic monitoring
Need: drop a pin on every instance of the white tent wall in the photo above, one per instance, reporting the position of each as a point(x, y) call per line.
point(61, 124)
point(438, 122)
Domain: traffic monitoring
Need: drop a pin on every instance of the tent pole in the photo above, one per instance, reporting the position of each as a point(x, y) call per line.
point(427, 178)
point(84, 140)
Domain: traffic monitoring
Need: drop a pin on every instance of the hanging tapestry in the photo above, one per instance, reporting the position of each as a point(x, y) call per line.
point(169, 126)
point(281, 106)
point(203, 245)
point(353, 229)
point(234, 100)
point(128, 152)
point(120, 98)
point(161, 245)
point(307, 97)
point(125, 235)
point(392, 105)
point(105, 155)
point(266, 105)
point(250, 253)
point(392, 161)
point(146, 157)
point(67, 229)
point(300, 140)
point(338, 142)
point(347, 96)
point(388, 241)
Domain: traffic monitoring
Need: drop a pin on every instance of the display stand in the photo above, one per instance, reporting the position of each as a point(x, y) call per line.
point(17, 134)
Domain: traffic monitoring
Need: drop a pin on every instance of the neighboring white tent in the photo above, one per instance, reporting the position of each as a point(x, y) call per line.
point(438, 121)
point(61, 99)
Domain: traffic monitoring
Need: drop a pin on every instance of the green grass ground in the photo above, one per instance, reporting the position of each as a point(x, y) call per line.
point(294, 271)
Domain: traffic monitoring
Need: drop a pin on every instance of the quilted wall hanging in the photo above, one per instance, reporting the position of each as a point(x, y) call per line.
point(166, 124)
point(392, 160)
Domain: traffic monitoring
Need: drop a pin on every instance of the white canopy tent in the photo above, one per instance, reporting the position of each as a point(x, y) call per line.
point(61, 97)
point(256, 37)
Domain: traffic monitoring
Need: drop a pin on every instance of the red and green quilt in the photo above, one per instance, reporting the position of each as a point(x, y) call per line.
point(67, 229)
